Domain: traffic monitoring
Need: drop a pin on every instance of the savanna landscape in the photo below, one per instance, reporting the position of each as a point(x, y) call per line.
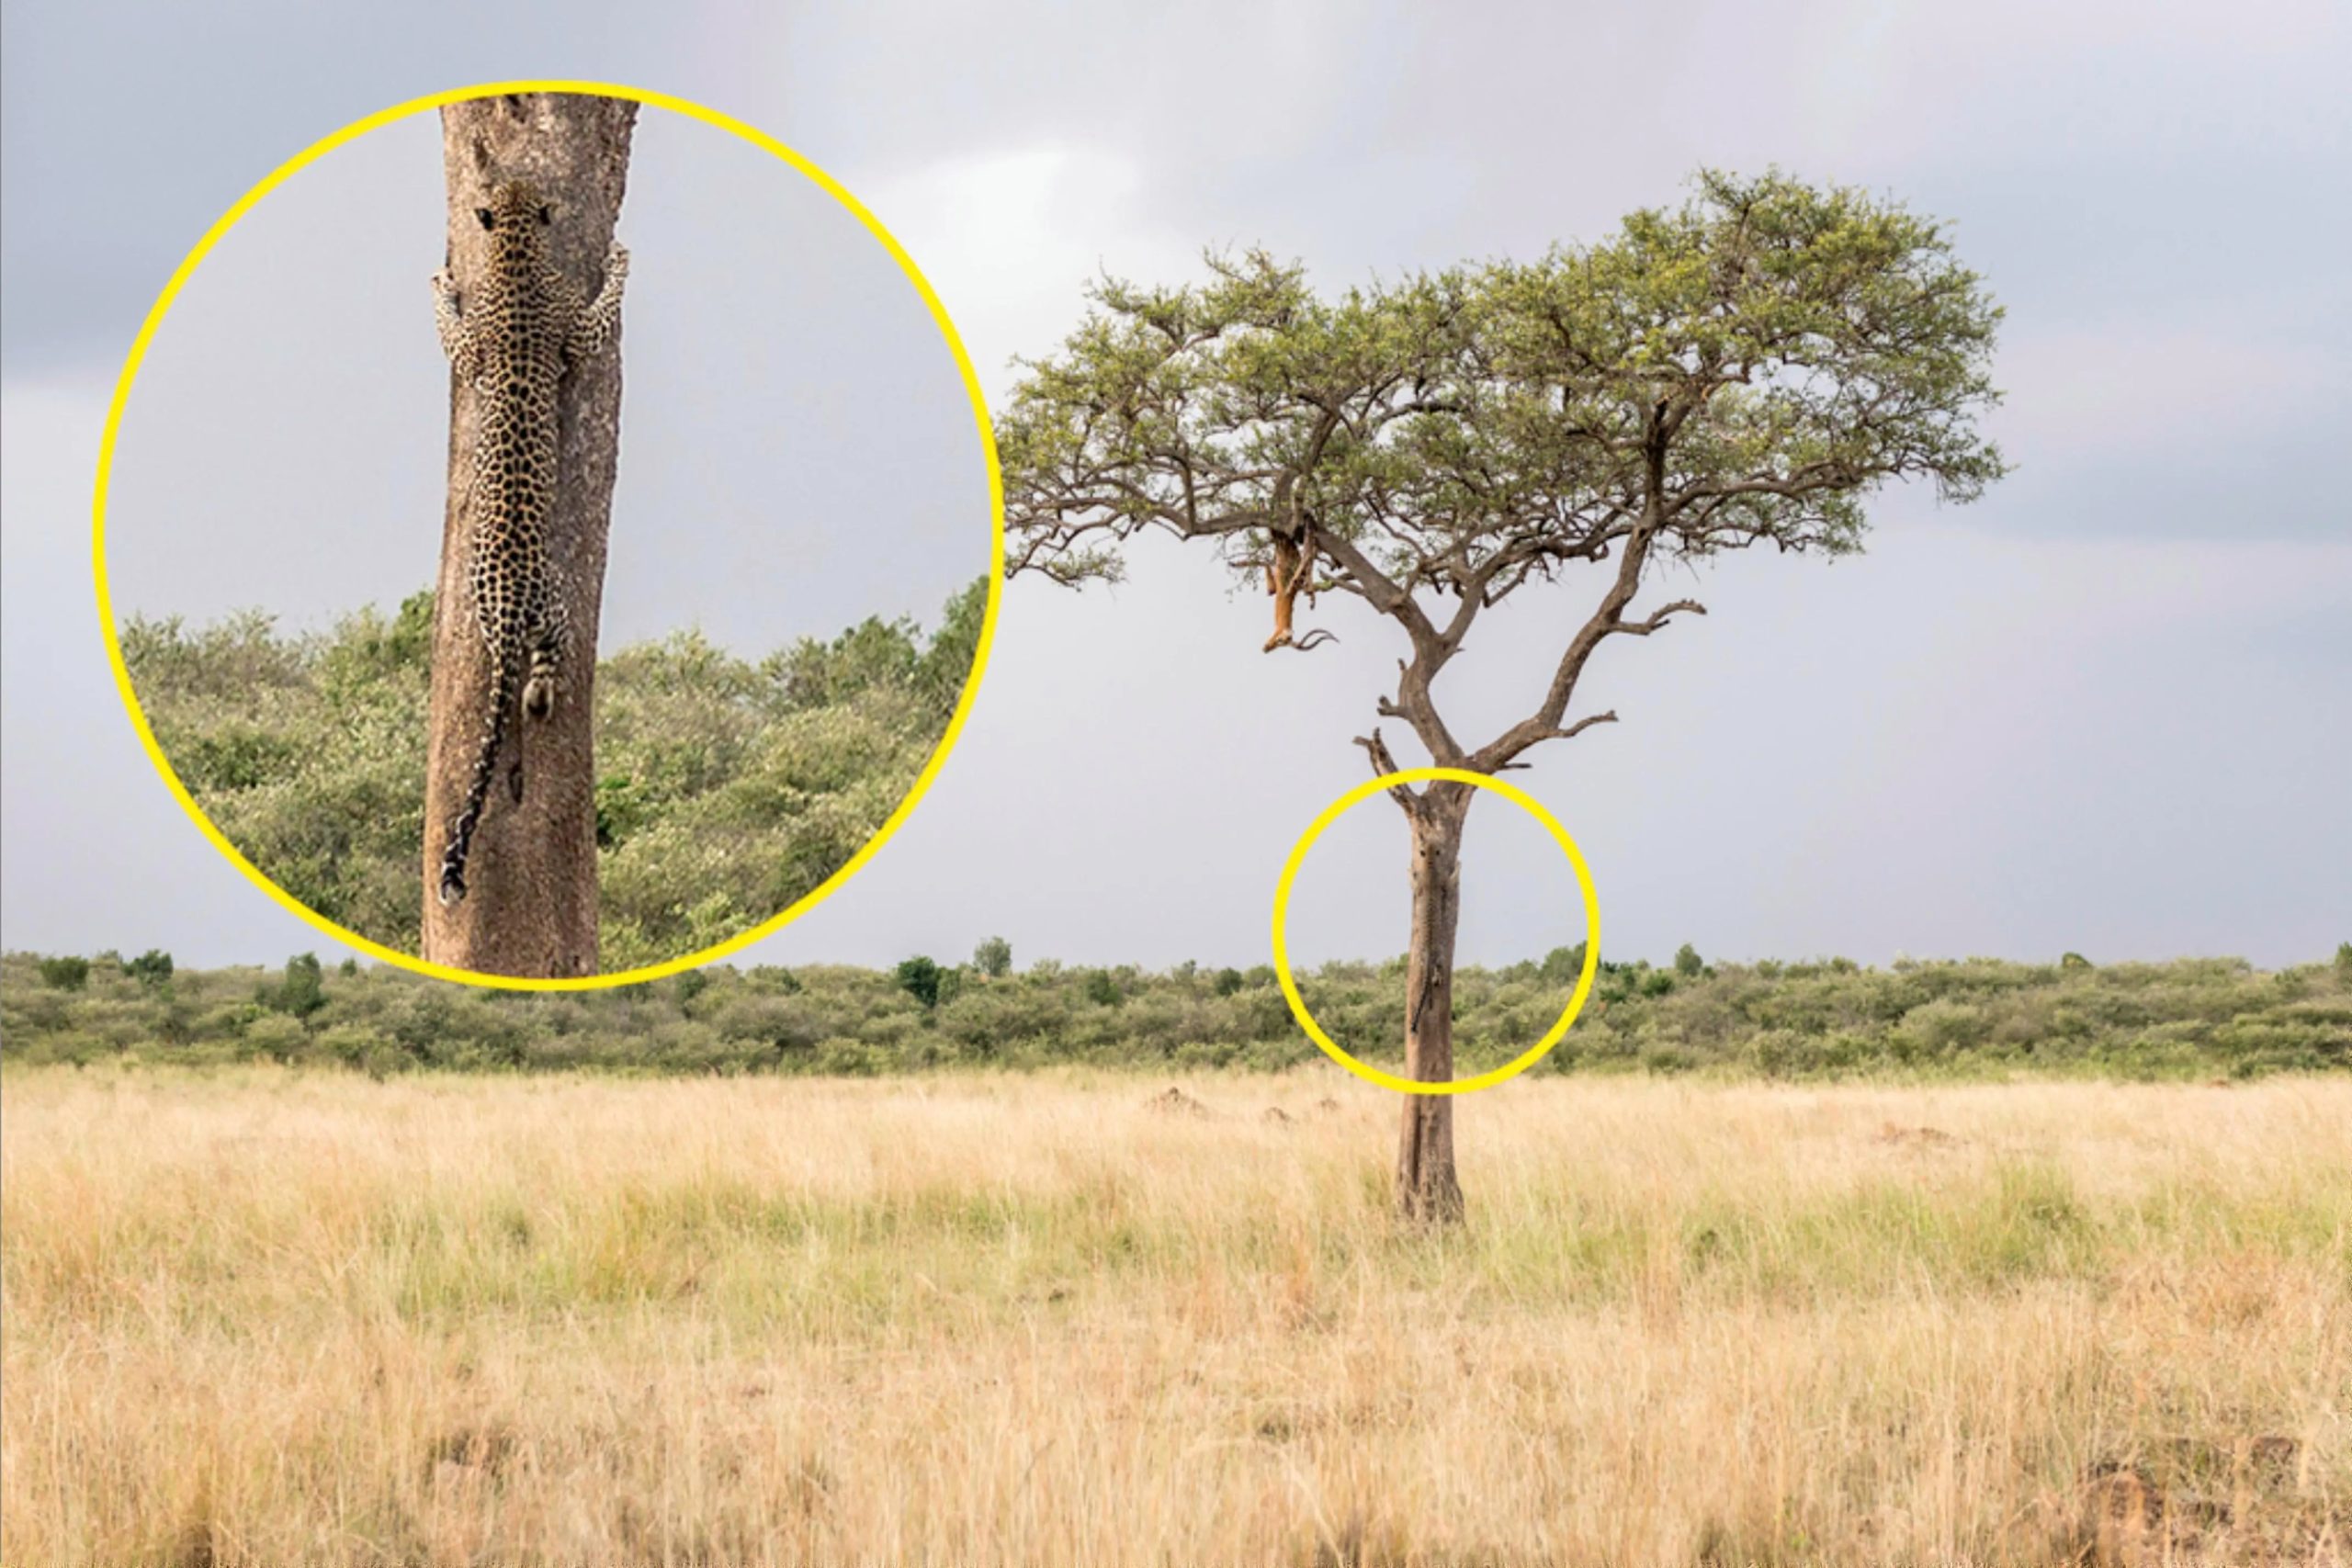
point(847, 1266)
point(1400, 408)
point(261, 1314)
point(1954, 1262)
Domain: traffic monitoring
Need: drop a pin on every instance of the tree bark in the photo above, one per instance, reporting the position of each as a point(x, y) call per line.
point(1427, 1189)
point(530, 908)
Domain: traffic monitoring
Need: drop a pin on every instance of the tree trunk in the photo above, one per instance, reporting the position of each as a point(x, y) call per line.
point(1427, 1189)
point(530, 904)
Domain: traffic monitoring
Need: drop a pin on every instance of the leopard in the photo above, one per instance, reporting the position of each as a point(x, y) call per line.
point(521, 331)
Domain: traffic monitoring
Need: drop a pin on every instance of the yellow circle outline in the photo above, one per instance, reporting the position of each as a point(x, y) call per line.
point(831, 188)
point(1526, 803)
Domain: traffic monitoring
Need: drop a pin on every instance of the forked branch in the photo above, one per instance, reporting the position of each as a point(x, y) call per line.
point(1580, 725)
point(1644, 627)
point(1383, 762)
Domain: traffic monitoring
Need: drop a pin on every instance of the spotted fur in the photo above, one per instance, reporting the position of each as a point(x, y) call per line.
point(512, 342)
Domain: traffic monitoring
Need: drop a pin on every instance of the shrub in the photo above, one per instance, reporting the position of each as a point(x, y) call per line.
point(1563, 965)
point(919, 978)
point(2189, 1017)
point(352, 1044)
point(732, 788)
point(277, 1036)
point(303, 990)
point(151, 967)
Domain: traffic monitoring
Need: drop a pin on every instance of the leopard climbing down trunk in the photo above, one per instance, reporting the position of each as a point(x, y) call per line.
point(529, 308)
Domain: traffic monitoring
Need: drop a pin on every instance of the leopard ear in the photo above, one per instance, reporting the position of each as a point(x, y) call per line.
point(489, 218)
point(546, 215)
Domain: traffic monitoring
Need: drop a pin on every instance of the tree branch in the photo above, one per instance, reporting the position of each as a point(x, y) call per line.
point(1644, 627)
point(1379, 590)
point(1580, 725)
point(1608, 620)
point(1570, 733)
point(1384, 763)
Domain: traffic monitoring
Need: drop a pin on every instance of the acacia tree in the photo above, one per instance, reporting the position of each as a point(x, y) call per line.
point(532, 908)
point(1741, 370)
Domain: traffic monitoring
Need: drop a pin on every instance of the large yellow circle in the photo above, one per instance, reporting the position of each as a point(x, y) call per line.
point(1365, 1070)
point(947, 330)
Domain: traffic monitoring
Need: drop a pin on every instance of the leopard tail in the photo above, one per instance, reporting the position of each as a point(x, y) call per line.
point(461, 832)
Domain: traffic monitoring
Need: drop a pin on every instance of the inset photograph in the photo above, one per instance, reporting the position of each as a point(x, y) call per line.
point(549, 536)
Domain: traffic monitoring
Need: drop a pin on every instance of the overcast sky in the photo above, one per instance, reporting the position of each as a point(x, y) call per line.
point(2108, 708)
point(800, 451)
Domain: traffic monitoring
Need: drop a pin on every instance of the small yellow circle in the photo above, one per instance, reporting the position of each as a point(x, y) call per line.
point(1526, 803)
point(831, 188)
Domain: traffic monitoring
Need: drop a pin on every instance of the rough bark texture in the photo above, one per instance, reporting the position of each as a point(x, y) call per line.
point(1427, 1188)
point(531, 905)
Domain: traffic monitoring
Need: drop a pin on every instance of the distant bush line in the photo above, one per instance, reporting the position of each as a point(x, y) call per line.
point(1832, 1019)
point(726, 790)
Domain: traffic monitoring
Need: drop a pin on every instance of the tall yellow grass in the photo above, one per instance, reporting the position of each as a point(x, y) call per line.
point(278, 1319)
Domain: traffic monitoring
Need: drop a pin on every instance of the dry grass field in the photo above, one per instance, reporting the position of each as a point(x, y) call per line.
point(269, 1318)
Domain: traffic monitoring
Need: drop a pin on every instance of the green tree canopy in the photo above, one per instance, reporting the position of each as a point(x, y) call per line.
point(1742, 369)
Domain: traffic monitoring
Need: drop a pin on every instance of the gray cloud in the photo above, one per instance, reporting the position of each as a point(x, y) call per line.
point(130, 128)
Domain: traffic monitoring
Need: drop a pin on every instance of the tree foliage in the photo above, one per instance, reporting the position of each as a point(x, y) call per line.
point(1742, 370)
point(727, 790)
point(993, 957)
point(919, 978)
point(1827, 1018)
point(301, 991)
